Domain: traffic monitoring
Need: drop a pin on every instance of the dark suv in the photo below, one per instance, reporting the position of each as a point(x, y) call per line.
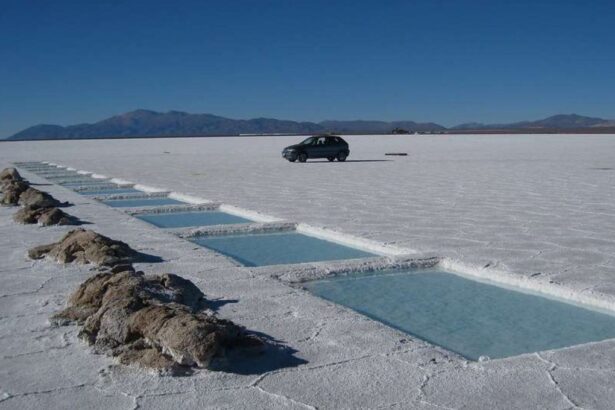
point(319, 146)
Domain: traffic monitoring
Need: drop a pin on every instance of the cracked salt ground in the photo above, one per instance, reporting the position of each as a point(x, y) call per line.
point(345, 355)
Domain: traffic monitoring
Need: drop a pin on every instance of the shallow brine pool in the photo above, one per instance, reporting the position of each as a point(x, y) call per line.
point(51, 172)
point(111, 191)
point(278, 248)
point(61, 177)
point(468, 317)
point(88, 185)
point(139, 202)
point(186, 219)
point(84, 182)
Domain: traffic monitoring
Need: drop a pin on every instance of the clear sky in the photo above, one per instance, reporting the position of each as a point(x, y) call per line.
point(67, 62)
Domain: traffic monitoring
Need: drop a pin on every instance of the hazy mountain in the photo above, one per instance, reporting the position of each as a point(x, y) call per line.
point(378, 127)
point(562, 121)
point(141, 123)
point(176, 123)
point(49, 130)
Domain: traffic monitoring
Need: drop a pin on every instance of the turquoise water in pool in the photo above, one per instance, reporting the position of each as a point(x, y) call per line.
point(56, 177)
point(185, 219)
point(138, 202)
point(467, 317)
point(84, 182)
point(114, 191)
point(60, 172)
point(278, 248)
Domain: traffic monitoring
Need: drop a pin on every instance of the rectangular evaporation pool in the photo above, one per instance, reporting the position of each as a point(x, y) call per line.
point(60, 177)
point(111, 191)
point(80, 180)
point(59, 172)
point(76, 181)
point(470, 318)
point(140, 202)
point(84, 185)
point(278, 248)
point(194, 218)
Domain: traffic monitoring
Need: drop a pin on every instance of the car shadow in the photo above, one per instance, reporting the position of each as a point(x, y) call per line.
point(351, 160)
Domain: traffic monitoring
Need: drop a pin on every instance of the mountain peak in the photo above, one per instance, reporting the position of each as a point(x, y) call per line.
point(139, 113)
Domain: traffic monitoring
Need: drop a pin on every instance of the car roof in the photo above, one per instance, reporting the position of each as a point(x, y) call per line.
point(326, 136)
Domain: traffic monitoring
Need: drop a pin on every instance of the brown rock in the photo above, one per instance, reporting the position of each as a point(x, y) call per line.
point(152, 321)
point(26, 215)
point(55, 216)
point(11, 190)
point(44, 216)
point(87, 246)
point(39, 252)
point(9, 174)
point(190, 339)
point(34, 198)
point(143, 355)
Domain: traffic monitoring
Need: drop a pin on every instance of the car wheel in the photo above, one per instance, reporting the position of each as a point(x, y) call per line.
point(293, 159)
point(302, 157)
point(342, 156)
point(330, 159)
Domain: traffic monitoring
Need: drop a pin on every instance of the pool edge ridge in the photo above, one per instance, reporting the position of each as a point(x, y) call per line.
point(296, 274)
point(543, 287)
point(194, 232)
point(367, 245)
point(209, 206)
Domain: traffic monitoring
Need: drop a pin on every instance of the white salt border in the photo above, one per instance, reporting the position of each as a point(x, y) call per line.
point(353, 241)
point(532, 285)
point(121, 181)
point(248, 214)
point(190, 199)
point(150, 189)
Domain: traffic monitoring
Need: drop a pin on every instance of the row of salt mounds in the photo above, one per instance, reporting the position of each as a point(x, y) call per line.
point(154, 322)
point(13, 185)
point(38, 207)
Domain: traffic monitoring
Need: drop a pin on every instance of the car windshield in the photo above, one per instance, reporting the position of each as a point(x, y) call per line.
point(308, 141)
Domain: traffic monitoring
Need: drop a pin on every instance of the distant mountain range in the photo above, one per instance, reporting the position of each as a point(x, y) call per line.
point(562, 121)
point(141, 123)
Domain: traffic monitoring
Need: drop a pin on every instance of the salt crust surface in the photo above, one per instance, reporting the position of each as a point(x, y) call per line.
point(536, 208)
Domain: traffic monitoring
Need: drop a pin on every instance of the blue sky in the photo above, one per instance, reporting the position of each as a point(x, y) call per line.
point(68, 62)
